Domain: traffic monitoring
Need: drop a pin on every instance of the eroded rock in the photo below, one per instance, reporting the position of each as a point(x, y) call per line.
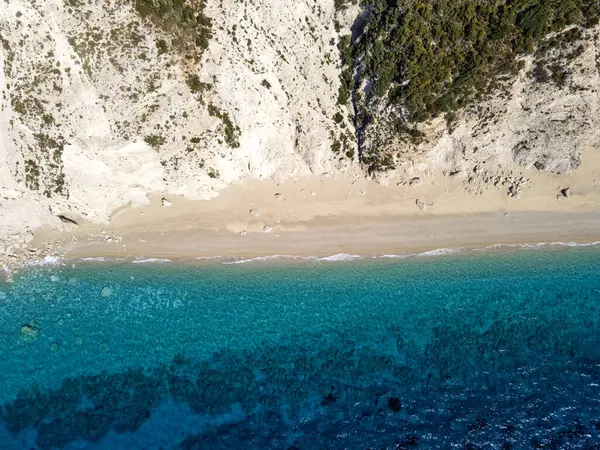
point(566, 192)
point(416, 181)
point(423, 205)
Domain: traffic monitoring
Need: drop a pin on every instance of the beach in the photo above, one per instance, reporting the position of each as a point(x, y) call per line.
point(299, 225)
point(329, 215)
point(377, 351)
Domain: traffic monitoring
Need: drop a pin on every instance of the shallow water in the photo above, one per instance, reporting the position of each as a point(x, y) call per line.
point(477, 350)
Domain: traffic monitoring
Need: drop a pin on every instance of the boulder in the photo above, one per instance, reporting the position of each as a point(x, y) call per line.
point(68, 220)
point(254, 212)
point(416, 181)
point(566, 192)
point(422, 205)
point(456, 174)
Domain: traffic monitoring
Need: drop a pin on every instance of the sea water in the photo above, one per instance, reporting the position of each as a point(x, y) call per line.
point(489, 349)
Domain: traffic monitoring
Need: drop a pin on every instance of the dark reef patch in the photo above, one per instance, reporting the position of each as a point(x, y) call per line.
point(445, 388)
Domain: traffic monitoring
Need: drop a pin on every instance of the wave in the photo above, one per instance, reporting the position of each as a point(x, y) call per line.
point(340, 257)
point(436, 252)
point(101, 259)
point(332, 258)
point(94, 259)
point(499, 246)
point(441, 252)
point(270, 258)
point(142, 260)
point(452, 251)
point(394, 256)
point(577, 244)
point(540, 245)
point(212, 258)
point(47, 261)
point(132, 260)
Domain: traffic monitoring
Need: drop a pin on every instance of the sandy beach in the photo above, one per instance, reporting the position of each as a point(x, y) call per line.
point(324, 215)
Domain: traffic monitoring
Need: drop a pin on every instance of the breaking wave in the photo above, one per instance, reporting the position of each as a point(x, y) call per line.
point(141, 260)
point(48, 261)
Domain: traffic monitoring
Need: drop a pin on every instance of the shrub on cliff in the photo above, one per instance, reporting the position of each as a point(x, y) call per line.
point(425, 58)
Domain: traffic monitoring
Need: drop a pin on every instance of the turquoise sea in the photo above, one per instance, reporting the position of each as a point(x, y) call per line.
point(482, 349)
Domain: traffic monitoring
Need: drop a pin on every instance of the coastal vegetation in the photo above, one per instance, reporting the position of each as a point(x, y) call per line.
point(183, 20)
point(154, 140)
point(417, 60)
point(230, 131)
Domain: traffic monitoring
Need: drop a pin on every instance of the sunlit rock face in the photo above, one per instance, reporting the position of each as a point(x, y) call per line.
point(125, 98)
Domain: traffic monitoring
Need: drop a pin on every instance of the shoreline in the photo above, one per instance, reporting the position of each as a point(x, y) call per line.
point(394, 238)
point(320, 237)
point(50, 263)
point(524, 233)
point(321, 216)
point(339, 257)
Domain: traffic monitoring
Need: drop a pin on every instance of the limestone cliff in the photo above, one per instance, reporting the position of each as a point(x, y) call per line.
point(533, 121)
point(103, 102)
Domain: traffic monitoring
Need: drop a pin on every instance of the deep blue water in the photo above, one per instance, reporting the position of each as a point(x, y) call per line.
point(478, 350)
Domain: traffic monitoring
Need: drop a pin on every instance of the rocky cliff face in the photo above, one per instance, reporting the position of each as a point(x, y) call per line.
point(543, 119)
point(103, 102)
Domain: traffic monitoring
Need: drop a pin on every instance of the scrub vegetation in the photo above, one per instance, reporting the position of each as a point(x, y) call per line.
point(418, 60)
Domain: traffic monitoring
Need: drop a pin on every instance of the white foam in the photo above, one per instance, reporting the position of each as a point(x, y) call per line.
point(212, 258)
point(333, 258)
point(394, 256)
point(47, 261)
point(269, 258)
point(142, 260)
point(441, 252)
point(339, 257)
point(577, 244)
point(528, 246)
point(541, 244)
point(101, 259)
point(436, 252)
point(258, 258)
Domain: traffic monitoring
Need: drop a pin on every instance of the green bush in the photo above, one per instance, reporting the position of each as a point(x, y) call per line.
point(183, 20)
point(428, 58)
point(230, 131)
point(195, 85)
point(154, 140)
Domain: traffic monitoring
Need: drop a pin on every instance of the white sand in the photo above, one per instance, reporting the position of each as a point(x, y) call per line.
point(325, 216)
